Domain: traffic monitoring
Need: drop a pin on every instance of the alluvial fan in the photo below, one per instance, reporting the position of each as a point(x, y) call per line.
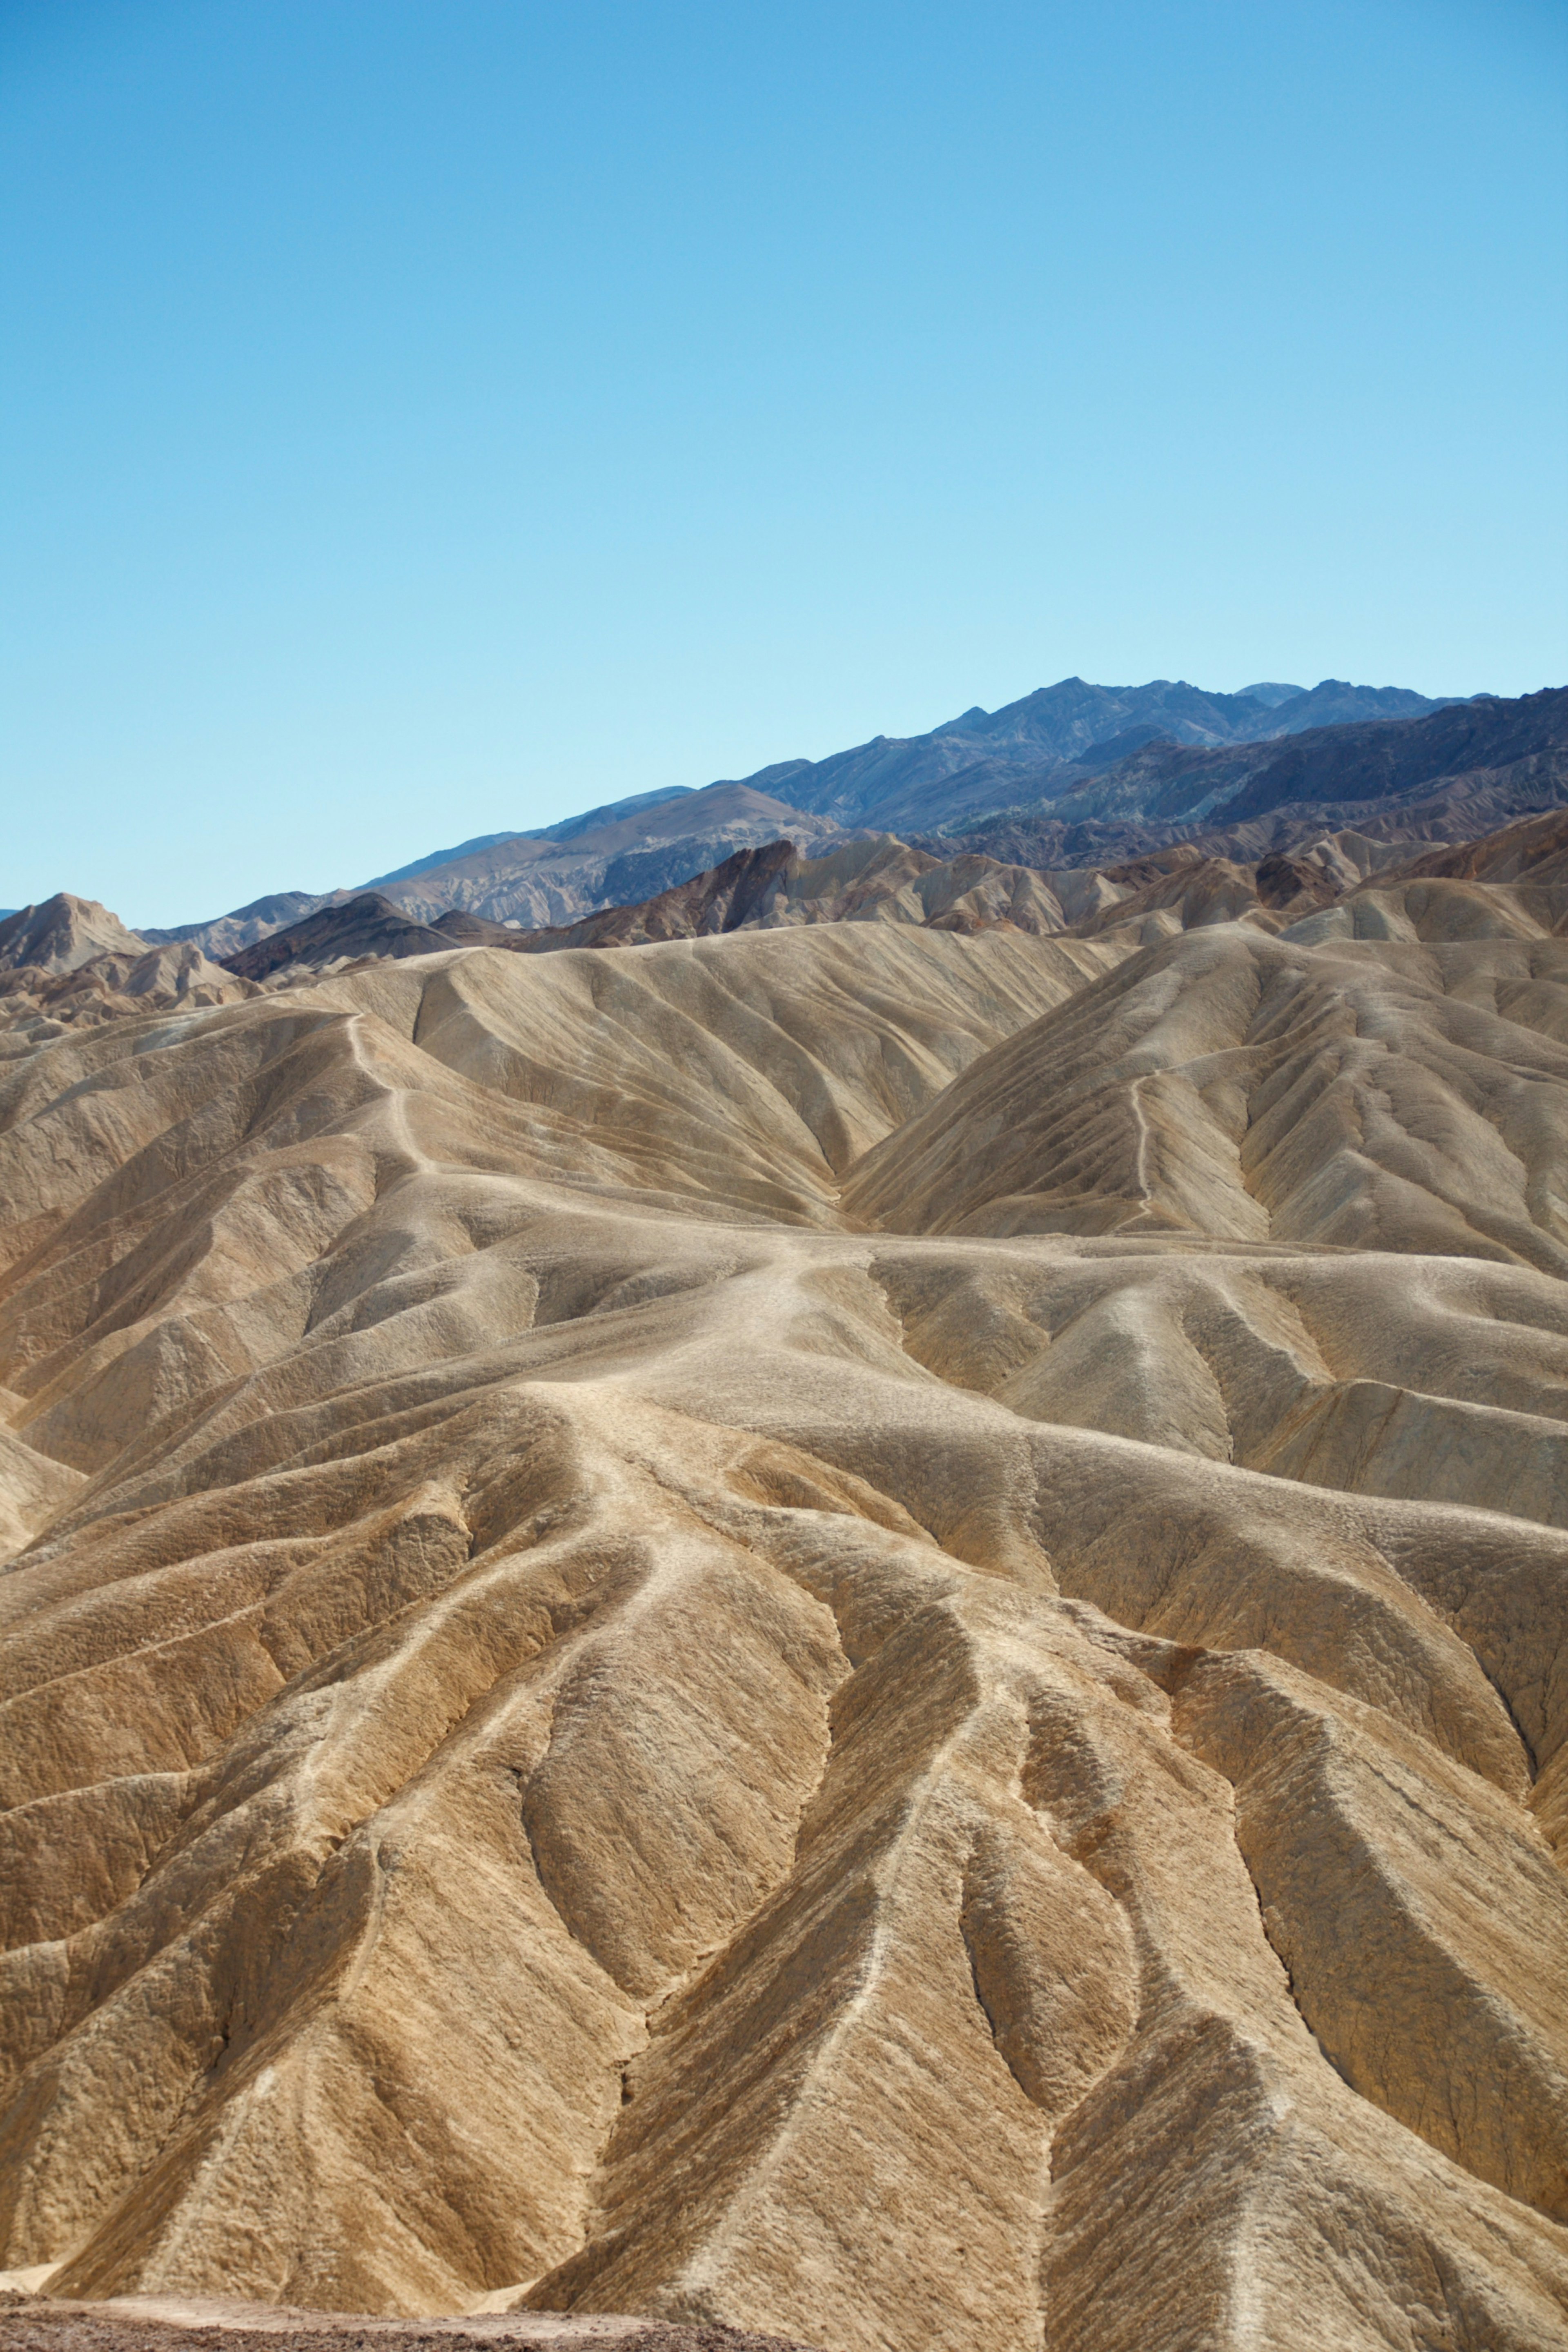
point(858, 1630)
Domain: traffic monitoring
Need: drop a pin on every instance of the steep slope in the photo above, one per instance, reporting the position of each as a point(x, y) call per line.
point(1335, 702)
point(1309, 1087)
point(629, 849)
point(63, 934)
point(369, 925)
point(882, 880)
point(1383, 762)
point(224, 935)
point(875, 880)
point(983, 758)
point(1386, 761)
point(1489, 762)
point(569, 828)
point(71, 961)
point(725, 899)
point(1377, 889)
point(1466, 810)
point(1534, 851)
point(879, 879)
point(626, 1692)
point(536, 880)
point(35, 1004)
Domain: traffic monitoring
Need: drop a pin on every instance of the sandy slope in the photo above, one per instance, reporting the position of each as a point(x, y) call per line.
point(860, 1629)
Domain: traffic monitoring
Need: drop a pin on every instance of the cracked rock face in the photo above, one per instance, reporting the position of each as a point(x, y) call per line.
point(860, 1631)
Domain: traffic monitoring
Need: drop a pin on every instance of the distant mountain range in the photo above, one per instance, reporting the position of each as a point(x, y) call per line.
point(1286, 809)
point(1179, 831)
point(983, 758)
point(1459, 772)
point(1090, 773)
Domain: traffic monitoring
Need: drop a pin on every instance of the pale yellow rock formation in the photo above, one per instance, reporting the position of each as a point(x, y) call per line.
point(862, 1629)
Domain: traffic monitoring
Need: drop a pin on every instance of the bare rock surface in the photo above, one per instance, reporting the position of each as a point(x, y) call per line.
point(62, 933)
point(854, 1631)
point(36, 1005)
point(877, 879)
point(342, 932)
point(545, 879)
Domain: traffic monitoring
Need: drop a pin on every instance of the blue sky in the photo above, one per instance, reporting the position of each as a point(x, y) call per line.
point(417, 420)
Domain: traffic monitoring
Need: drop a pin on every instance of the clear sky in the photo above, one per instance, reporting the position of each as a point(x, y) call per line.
point(424, 417)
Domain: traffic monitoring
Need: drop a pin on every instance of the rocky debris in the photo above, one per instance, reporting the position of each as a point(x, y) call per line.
point(31, 2323)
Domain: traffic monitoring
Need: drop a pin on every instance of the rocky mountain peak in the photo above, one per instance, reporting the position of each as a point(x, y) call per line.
point(62, 934)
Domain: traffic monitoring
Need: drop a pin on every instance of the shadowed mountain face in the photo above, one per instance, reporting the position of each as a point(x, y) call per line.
point(970, 762)
point(1462, 770)
point(369, 925)
point(857, 1626)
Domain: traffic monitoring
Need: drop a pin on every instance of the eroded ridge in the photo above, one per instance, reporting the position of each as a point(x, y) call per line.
point(588, 1726)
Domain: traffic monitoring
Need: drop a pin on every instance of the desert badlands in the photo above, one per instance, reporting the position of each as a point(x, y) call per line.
point(854, 1627)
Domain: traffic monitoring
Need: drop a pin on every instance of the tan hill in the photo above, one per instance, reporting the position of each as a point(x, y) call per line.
point(63, 934)
point(1229, 1083)
point(1534, 851)
point(31, 2323)
point(874, 879)
point(109, 986)
point(71, 961)
point(1374, 888)
point(879, 879)
point(852, 1628)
